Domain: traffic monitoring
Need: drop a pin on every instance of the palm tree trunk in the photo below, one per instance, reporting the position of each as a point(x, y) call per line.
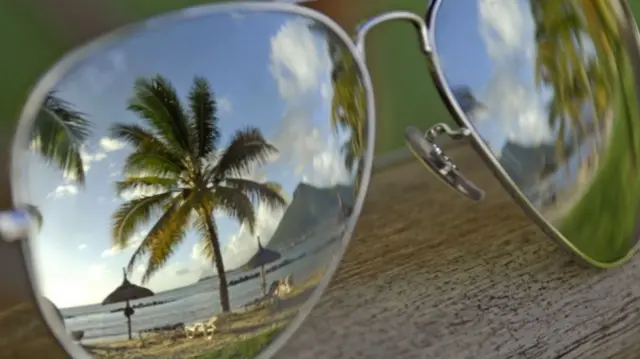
point(223, 287)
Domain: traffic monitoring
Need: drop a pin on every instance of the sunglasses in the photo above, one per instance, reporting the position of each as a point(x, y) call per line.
point(187, 186)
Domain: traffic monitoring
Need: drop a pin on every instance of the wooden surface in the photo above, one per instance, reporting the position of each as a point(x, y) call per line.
point(430, 274)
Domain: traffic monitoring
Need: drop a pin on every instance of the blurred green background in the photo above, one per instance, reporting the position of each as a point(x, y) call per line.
point(39, 32)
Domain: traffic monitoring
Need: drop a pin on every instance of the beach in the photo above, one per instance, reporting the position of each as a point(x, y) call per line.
point(245, 331)
point(192, 303)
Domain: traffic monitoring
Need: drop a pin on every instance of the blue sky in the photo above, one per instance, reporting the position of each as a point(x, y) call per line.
point(266, 70)
point(488, 45)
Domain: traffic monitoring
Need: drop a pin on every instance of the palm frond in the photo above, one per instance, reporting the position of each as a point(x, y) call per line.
point(205, 132)
point(155, 100)
point(166, 235)
point(58, 134)
point(269, 193)
point(153, 163)
point(133, 214)
point(247, 148)
point(146, 184)
point(138, 137)
point(201, 227)
point(235, 204)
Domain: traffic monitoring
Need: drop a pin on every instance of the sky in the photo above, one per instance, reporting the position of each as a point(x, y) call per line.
point(489, 46)
point(266, 70)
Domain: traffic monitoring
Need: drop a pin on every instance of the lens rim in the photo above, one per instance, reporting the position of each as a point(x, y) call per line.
point(67, 63)
point(487, 156)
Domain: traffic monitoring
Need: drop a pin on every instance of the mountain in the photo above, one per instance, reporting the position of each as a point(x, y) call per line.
point(310, 207)
point(525, 164)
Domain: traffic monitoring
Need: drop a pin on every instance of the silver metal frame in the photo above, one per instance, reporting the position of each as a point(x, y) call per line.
point(426, 31)
point(62, 68)
point(488, 157)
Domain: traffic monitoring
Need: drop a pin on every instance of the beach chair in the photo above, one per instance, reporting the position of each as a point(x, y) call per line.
point(285, 286)
point(265, 301)
point(206, 328)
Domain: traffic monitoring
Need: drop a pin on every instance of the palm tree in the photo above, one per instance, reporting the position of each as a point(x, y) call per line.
point(560, 64)
point(58, 134)
point(348, 110)
point(563, 26)
point(348, 104)
point(183, 177)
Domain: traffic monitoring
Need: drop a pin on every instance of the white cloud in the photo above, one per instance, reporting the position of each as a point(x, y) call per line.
point(243, 245)
point(64, 190)
point(300, 64)
point(88, 158)
point(516, 110)
point(327, 169)
point(111, 144)
point(314, 156)
point(82, 247)
point(133, 243)
point(298, 60)
point(504, 27)
point(224, 105)
point(139, 268)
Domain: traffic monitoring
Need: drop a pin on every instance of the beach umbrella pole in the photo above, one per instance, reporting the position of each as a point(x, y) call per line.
point(263, 277)
point(128, 312)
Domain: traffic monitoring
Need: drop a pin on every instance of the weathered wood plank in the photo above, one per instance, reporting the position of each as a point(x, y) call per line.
point(430, 274)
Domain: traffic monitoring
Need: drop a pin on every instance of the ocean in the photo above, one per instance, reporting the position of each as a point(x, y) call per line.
point(195, 302)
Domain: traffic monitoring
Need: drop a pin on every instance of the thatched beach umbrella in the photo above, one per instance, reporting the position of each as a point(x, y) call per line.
point(127, 292)
point(263, 257)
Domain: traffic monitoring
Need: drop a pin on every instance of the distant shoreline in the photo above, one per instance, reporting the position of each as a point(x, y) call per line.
point(234, 282)
point(274, 268)
point(249, 277)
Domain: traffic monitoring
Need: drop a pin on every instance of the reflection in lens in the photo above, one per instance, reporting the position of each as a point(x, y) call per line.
point(551, 93)
point(191, 194)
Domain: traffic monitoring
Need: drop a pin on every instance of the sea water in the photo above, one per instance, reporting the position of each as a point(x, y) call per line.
point(192, 303)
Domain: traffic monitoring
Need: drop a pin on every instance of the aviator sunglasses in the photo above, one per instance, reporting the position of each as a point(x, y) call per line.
point(186, 186)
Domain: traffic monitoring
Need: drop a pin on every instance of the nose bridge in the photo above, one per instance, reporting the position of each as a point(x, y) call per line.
point(415, 20)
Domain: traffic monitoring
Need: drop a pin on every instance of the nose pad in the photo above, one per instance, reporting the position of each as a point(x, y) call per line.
point(431, 155)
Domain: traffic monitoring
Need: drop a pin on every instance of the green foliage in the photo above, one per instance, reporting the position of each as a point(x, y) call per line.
point(178, 175)
point(245, 349)
point(58, 134)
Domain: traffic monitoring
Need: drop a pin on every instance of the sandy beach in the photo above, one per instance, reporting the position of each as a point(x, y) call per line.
point(248, 330)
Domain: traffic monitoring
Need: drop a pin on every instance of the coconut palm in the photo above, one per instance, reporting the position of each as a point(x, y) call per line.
point(58, 134)
point(182, 176)
point(348, 106)
point(577, 76)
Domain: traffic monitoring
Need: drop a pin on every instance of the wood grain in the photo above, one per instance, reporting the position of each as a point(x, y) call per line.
point(430, 274)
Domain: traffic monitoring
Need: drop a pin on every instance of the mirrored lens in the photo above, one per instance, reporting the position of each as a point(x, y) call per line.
point(193, 181)
point(549, 87)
